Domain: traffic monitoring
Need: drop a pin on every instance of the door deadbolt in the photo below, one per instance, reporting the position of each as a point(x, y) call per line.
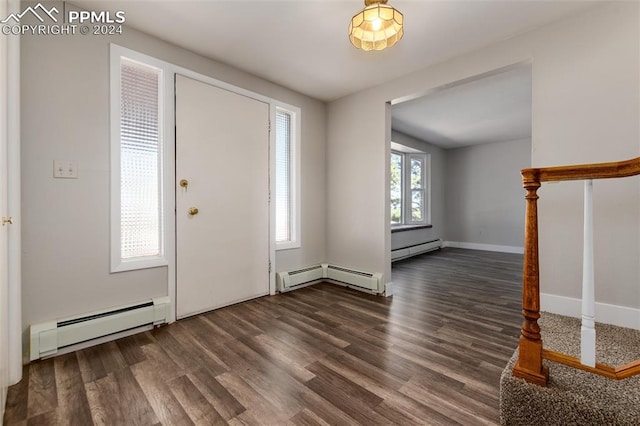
point(9, 220)
point(192, 211)
point(184, 183)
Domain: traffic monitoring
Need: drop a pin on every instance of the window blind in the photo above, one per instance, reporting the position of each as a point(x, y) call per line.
point(140, 156)
point(283, 176)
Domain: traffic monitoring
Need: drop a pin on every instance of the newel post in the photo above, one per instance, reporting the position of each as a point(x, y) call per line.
point(529, 365)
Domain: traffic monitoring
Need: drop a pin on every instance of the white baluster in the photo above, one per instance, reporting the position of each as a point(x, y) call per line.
point(588, 330)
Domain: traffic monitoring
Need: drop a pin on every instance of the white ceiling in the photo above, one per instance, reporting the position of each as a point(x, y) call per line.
point(496, 108)
point(303, 44)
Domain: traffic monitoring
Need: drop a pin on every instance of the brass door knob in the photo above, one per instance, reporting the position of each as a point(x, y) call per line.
point(9, 220)
point(192, 211)
point(184, 183)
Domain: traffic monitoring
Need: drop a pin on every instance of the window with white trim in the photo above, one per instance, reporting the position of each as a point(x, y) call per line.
point(138, 240)
point(287, 206)
point(409, 189)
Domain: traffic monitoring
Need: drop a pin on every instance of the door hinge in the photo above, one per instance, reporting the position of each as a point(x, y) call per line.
point(269, 125)
point(269, 266)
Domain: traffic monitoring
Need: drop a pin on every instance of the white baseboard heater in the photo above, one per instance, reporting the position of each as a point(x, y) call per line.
point(414, 250)
point(291, 279)
point(47, 338)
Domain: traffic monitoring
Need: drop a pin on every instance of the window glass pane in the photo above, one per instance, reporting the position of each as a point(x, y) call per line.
point(283, 176)
point(416, 174)
point(417, 205)
point(140, 157)
point(396, 188)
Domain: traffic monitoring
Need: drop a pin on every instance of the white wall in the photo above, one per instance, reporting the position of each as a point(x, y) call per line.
point(358, 230)
point(585, 108)
point(438, 218)
point(484, 195)
point(65, 115)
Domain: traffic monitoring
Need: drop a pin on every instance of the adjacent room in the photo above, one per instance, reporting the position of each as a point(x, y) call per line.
point(456, 156)
point(311, 212)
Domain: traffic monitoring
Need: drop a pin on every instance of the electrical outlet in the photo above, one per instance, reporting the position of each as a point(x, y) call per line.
point(65, 169)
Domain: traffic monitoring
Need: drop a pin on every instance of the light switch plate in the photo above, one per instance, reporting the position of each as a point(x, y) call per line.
point(65, 169)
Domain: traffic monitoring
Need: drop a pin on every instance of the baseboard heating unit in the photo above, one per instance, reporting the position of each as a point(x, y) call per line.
point(47, 338)
point(414, 250)
point(298, 278)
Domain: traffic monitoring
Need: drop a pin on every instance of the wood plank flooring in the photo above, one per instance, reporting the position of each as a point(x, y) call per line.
point(431, 354)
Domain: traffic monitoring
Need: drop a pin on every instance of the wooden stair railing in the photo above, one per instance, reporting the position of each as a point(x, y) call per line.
point(531, 353)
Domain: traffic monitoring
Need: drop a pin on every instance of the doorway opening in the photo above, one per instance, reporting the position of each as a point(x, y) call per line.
point(476, 134)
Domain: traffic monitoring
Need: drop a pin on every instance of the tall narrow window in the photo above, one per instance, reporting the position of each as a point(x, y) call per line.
point(417, 188)
point(396, 188)
point(283, 176)
point(138, 195)
point(408, 188)
point(140, 162)
point(287, 206)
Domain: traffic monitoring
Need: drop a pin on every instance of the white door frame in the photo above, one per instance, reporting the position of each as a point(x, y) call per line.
point(4, 211)
point(170, 70)
point(171, 238)
point(13, 202)
point(273, 104)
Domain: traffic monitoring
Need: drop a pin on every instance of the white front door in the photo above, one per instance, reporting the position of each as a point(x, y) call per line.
point(222, 160)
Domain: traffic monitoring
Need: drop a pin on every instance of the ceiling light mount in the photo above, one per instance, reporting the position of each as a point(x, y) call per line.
point(376, 27)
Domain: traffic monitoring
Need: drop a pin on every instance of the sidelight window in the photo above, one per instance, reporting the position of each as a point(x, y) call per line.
point(137, 202)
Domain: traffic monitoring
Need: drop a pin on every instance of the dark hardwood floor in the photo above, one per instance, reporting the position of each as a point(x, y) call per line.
point(431, 354)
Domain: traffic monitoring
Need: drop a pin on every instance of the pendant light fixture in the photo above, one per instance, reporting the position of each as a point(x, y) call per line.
point(376, 27)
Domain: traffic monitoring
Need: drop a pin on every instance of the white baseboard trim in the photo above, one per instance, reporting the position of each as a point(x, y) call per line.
point(605, 313)
point(485, 247)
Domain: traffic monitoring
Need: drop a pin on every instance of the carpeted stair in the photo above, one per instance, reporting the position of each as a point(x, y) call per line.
point(575, 397)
